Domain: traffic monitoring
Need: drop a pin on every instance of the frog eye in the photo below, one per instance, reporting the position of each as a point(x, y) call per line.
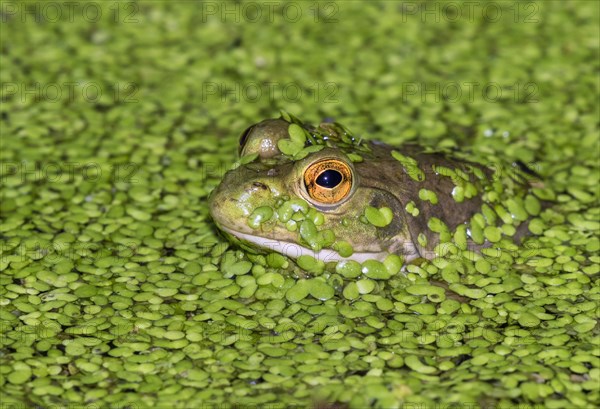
point(328, 181)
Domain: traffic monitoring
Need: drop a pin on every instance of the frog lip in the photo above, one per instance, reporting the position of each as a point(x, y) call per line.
point(295, 250)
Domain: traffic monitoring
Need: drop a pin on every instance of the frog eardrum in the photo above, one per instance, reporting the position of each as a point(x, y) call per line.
point(328, 181)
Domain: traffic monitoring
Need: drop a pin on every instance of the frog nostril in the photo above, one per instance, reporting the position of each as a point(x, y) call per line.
point(259, 185)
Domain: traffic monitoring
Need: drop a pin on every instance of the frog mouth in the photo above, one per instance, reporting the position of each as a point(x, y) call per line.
point(295, 250)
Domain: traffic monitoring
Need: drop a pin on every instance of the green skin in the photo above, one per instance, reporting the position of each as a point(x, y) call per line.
point(380, 180)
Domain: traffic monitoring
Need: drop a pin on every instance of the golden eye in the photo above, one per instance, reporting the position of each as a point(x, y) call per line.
point(328, 181)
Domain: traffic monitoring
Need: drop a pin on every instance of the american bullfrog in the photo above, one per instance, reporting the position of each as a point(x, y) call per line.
point(319, 191)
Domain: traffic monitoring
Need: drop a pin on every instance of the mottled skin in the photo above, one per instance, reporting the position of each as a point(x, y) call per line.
point(386, 176)
point(380, 181)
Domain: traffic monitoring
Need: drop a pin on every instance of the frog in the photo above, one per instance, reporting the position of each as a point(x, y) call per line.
point(321, 191)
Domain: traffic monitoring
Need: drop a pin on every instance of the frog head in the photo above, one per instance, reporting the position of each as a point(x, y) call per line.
point(302, 190)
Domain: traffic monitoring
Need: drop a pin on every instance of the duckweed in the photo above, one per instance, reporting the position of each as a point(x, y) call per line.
point(260, 215)
point(412, 209)
point(428, 195)
point(295, 144)
point(116, 290)
point(349, 268)
point(375, 270)
point(311, 264)
point(365, 286)
point(411, 167)
point(379, 217)
point(343, 248)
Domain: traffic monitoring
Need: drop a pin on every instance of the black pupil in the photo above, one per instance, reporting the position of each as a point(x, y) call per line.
point(329, 179)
